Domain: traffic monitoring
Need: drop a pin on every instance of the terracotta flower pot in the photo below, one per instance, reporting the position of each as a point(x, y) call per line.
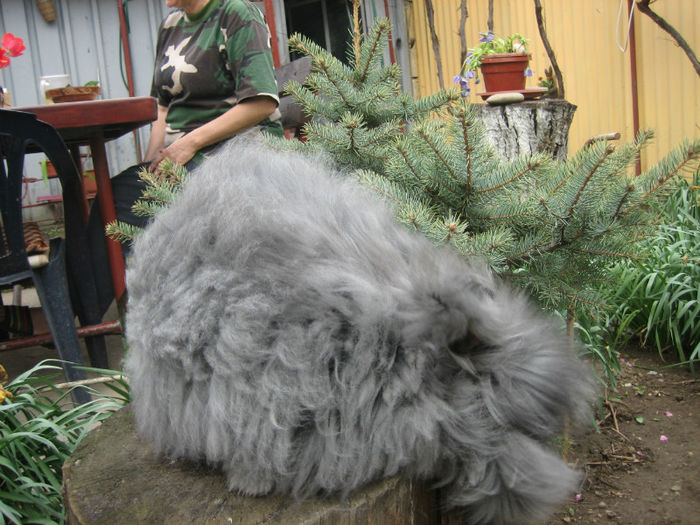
point(504, 72)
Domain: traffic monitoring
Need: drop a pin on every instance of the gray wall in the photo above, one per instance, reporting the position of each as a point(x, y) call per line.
point(84, 42)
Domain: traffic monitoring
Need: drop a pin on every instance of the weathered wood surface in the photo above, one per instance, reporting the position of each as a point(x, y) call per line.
point(116, 478)
point(293, 115)
point(528, 127)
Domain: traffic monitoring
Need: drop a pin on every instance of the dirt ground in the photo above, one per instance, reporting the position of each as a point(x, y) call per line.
point(643, 466)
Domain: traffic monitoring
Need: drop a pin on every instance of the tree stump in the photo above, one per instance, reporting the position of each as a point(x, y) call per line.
point(114, 477)
point(533, 126)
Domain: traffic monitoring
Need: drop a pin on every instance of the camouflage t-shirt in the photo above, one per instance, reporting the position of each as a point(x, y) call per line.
point(207, 63)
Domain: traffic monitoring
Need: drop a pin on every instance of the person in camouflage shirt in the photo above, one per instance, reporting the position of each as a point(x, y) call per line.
point(213, 78)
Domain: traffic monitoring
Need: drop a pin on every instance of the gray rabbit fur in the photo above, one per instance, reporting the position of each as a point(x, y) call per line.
point(283, 327)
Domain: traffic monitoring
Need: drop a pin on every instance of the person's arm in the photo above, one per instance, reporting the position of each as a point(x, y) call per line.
point(240, 117)
point(157, 138)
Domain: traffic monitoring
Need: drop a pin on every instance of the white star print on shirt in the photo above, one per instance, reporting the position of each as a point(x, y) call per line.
point(177, 61)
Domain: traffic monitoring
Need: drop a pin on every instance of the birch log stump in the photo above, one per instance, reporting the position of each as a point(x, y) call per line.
point(533, 126)
point(114, 478)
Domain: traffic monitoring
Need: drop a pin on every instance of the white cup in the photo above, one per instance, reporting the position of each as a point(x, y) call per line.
point(52, 82)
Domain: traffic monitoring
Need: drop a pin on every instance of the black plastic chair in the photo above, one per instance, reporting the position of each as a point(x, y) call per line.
point(68, 268)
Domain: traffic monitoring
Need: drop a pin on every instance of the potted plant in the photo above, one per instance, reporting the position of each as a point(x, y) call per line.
point(503, 62)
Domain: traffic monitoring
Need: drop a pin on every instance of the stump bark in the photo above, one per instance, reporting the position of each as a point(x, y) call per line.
point(114, 477)
point(533, 126)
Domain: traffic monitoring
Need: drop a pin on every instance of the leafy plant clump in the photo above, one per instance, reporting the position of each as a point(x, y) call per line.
point(39, 429)
point(489, 44)
point(657, 297)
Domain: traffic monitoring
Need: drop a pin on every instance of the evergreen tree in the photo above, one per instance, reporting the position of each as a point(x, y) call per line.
point(551, 227)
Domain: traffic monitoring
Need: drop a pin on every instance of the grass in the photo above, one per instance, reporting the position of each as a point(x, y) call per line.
point(657, 298)
point(594, 333)
point(39, 429)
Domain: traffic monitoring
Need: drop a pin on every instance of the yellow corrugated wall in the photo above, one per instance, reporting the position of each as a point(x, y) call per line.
point(597, 75)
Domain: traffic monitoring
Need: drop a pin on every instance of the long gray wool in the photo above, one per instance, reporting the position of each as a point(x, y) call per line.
point(283, 327)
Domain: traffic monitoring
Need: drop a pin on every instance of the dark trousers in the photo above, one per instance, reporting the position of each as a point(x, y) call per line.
point(126, 190)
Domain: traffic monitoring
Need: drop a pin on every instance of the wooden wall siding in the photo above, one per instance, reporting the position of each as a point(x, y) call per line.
point(596, 72)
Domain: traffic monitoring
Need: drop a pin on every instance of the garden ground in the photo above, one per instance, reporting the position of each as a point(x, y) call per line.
point(631, 475)
point(643, 465)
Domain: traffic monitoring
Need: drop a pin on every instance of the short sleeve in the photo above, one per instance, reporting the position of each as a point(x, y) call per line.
point(250, 56)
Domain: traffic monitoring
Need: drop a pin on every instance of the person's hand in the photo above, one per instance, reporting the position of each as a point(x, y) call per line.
point(179, 151)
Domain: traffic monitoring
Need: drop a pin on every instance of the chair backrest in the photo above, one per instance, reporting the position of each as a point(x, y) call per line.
point(293, 116)
point(22, 133)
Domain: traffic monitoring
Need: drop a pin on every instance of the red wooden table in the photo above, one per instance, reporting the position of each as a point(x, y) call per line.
point(92, 123)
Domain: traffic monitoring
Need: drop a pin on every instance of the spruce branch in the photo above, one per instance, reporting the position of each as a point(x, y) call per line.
point(122, 232)
point(684, 157)
point(629, 190)
point(309, 101)
point(159, 193)
point(370, 53)
point(465, 118)
point(324, 67)
point(437, 102)
point(587, 179)
point(440, 150)
point(531, 166)
point(427, 181)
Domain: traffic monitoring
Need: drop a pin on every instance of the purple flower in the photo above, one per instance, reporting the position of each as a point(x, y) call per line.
point(486, 37)
point(469, 74)
point(528, 72)
point(461, 80)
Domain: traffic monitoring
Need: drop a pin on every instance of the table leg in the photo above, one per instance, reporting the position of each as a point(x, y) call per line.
point(109, 214)
point(75, 153)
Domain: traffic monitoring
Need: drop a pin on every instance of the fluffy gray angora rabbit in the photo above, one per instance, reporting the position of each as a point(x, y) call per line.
point(283, 327)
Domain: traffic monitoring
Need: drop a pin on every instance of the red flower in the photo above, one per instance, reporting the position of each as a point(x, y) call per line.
point(13, 45)
point(4, 59)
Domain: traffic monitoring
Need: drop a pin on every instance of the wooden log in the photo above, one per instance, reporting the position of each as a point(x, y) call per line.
point(533, 126)
point(115, 478)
